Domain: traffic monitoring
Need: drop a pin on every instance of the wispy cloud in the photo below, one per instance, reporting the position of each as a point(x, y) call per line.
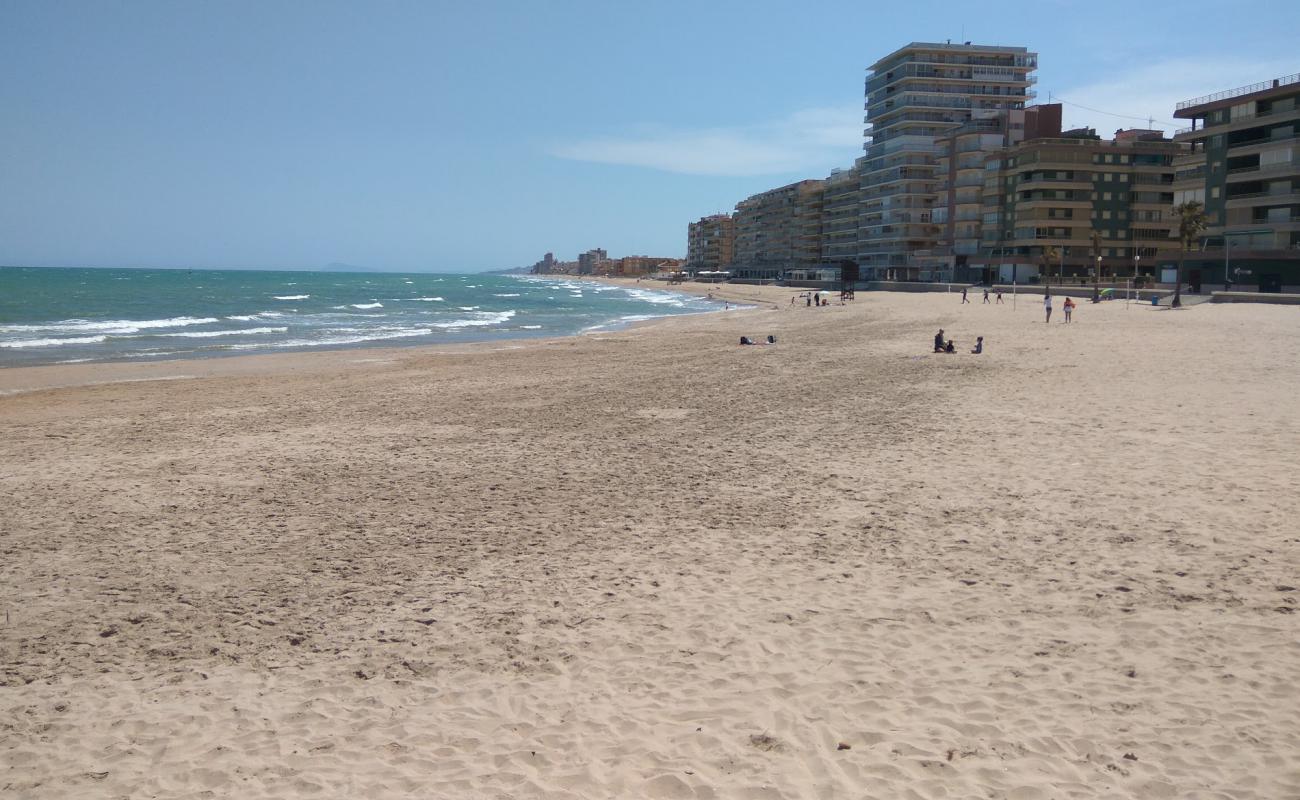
point(812, 140)
point(1154, 89)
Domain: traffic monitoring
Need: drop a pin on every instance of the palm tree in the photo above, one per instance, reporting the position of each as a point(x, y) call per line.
point(1191, 222)
point(1049, 253)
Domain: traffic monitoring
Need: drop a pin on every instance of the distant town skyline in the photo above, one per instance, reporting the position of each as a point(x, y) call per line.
point(419, 137)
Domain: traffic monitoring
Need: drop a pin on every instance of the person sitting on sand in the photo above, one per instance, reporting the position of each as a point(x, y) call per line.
point(938, 341)
point(979, 346)
point(951, 347)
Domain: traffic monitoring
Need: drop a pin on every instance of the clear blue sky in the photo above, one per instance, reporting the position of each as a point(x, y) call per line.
point(478, 135)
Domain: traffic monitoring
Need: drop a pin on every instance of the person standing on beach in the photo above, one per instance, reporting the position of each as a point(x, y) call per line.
point(1047, 306)
point(1068, 307)
point(963, 295)
point(1000, 297)
point(986, 296)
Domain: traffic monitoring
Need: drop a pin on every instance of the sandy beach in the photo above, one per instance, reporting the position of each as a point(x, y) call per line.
point(653, 563)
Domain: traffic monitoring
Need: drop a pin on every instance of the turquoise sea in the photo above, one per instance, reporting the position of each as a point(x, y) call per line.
point(50, 316)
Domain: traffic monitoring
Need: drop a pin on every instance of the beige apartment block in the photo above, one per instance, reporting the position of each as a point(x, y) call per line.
point(915, 95)
point(710, 243)
point(637, 266)
point(779, 230)
point(839, 217)
point(960, 176)
point(1054, 194)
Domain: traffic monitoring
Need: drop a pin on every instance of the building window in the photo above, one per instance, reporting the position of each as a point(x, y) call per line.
point(1214, 192)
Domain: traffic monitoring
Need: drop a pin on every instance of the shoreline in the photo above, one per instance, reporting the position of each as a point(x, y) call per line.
point(16, 380)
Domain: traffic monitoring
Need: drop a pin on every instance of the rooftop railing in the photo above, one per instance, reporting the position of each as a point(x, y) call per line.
point(1239, 91)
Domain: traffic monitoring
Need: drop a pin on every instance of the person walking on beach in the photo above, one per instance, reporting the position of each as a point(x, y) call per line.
point(986, 296)
point(963, 295)
point(999, 298)
point(1047, 306)
point(1068, 307)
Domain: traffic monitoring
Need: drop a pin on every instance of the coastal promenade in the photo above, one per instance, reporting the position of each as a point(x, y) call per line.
point(654, 563)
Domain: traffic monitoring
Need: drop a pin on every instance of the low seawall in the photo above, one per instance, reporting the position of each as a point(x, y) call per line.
point(1256, 297)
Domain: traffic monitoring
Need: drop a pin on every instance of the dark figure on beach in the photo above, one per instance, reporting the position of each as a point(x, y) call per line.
point(979, 346)
point(951, 347)
point(986, 297)
point(963, 295)
point(999, 296)
point(938, 341)
point(1047, 306)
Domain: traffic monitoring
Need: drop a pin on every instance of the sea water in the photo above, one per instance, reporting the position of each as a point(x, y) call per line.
point(50, 316)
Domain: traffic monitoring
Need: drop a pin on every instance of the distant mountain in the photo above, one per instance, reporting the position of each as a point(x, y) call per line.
point(510, 271)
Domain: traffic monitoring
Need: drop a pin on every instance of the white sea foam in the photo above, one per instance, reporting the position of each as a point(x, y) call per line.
point(658, 298)
point(54, 342)
point(468, 308)
point(483, 319)
point(292, 297)
point(335, 341)
point(367, 305)
point(116, 326)
point(428, 299)
point(530, 327)
point(258, 316)
point(236, 332)
point(505, 295)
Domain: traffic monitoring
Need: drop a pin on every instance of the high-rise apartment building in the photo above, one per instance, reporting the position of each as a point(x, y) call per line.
point(1051, 195)
point(591, 262)
point(839, 217)
point(1244, 166)
point(779, 230)
point(710, 243)
point(913, 96)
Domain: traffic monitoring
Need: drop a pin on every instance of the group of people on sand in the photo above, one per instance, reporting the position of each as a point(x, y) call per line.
point(942, 345)
point(815, 299)
point(965, 299)
point(1067, 307)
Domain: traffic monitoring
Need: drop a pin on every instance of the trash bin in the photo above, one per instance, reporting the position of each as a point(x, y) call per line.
point(1155, 299)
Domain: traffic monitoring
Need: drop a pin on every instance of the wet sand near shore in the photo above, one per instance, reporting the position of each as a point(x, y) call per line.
point(654, 563)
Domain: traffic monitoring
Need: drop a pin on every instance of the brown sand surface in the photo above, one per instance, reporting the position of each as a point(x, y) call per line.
point(653, 563)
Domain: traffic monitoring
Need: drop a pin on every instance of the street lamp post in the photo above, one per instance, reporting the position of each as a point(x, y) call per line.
point(1227, 276)
point(1096, 282)
point(1137, 271)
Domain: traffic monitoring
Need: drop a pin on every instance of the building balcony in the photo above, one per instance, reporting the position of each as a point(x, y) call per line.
point(1263, 198)
point(1241, 122)
point(1183, 109)
point(1257, 171)
point(1039, 184)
